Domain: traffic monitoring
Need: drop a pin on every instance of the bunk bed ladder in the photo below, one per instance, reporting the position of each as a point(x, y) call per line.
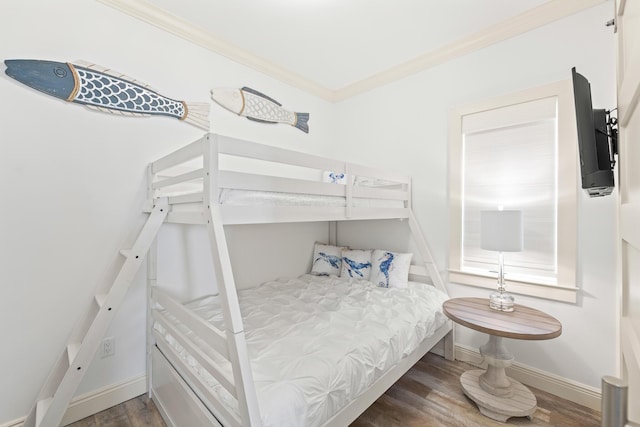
point(84, 341)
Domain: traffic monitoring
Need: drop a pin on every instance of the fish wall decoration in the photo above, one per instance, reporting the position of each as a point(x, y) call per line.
point(103, 89)
point(258, 107)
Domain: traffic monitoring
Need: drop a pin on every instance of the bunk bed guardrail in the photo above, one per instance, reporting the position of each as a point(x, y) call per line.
point(253, 183)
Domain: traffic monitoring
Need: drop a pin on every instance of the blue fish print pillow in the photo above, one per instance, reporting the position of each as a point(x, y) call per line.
point(356, 263)
point(390, 269)
point(327, 259)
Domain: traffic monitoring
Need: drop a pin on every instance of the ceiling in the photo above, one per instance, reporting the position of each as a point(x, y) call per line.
point(338, 48)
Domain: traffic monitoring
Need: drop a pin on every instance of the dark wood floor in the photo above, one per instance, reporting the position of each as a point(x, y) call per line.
point(137, 412)
point(428, 395)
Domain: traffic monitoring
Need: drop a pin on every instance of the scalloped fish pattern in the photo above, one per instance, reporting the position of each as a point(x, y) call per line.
point(102, 90)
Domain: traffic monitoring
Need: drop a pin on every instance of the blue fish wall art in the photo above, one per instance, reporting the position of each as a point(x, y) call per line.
point(104, 90)
point(258, 107)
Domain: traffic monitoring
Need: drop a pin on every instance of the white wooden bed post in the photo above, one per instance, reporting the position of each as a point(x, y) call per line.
point(238, 352)
point(429, 263)
point(152, 281)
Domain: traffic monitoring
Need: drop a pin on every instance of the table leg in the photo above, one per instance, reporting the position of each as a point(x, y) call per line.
point(498, 358)
point(497, 396)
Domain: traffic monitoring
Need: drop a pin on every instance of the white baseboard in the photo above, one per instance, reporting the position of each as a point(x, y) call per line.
point(562, 387)
point(14, 423)
point(98, 400)
point(104, 398)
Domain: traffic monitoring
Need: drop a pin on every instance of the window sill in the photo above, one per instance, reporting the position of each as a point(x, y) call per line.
point(538, 290)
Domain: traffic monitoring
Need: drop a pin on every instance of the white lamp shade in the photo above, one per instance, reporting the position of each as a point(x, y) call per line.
point(501, 230)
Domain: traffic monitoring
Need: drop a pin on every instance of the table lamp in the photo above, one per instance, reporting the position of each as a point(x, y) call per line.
point(501, 231)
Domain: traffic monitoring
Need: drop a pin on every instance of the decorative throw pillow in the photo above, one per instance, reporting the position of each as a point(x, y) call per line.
point(356, 263)
point(390, 269)
point(334, 177)
point(327, 259)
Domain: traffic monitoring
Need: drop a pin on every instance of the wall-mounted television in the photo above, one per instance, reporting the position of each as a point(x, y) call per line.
point(597, 140)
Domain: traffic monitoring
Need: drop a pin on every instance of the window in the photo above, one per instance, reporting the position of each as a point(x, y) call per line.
point(516, 152)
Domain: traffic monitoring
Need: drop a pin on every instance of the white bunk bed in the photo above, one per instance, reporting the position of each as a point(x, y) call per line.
point(202, 354)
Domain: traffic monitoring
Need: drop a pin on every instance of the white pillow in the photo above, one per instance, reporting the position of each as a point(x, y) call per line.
point(390, 269)
point(327, 259)
point(334, 177)
point(356, 263)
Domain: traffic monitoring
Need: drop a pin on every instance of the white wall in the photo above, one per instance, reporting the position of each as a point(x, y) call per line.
point(72, 180)
point(404, 125)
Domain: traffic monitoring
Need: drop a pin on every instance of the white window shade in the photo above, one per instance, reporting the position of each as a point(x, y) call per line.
point(510, 161)
point(488, 168)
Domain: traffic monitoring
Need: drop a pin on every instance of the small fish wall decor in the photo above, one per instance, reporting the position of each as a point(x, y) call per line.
point(102, 89)
point(258, 107)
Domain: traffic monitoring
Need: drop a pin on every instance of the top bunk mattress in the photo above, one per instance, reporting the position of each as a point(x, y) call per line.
point(316, 343)
point(234, 197)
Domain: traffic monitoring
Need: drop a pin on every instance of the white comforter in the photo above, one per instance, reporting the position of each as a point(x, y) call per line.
point(316, 343)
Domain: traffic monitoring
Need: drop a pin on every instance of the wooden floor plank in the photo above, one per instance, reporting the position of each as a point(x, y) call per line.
point(428, 395)
point(143, 412)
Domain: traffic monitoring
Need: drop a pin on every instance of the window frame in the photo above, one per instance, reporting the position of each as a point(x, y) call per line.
point(566, 287)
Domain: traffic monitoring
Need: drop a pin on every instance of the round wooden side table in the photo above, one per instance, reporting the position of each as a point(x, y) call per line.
point(498, 396)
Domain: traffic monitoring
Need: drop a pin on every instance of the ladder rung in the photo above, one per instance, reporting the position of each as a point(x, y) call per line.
point(127, 253)
point(100, 299)
point(41, 409)
point(72, 352)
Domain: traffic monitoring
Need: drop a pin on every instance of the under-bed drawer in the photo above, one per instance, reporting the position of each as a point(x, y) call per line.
point(179, 406)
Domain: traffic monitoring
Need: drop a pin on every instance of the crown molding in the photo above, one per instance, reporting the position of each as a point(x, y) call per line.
point(546, 13)
point(520, 24)
point(147, 12)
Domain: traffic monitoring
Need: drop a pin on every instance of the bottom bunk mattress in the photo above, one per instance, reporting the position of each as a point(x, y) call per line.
point(316, 343)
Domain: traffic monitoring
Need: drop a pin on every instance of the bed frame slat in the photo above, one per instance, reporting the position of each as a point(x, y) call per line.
point(246, 181)
point(274, 214)
point(195, 217)
point(178, 179)
point(179, 156)
point(186, 198)
point(196, 352)
point(209, 333)
point(378, 174)
point(253, 150)
point(381, 193)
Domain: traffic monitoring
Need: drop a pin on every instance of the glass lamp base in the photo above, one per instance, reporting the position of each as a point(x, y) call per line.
point(501, 301)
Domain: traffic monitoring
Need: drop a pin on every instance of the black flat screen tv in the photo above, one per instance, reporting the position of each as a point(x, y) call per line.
point(597, 140)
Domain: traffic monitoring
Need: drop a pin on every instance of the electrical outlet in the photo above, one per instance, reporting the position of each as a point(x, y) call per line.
point(108, 347)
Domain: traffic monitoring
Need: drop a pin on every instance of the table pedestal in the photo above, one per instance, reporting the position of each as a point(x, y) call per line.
point(497, 396)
